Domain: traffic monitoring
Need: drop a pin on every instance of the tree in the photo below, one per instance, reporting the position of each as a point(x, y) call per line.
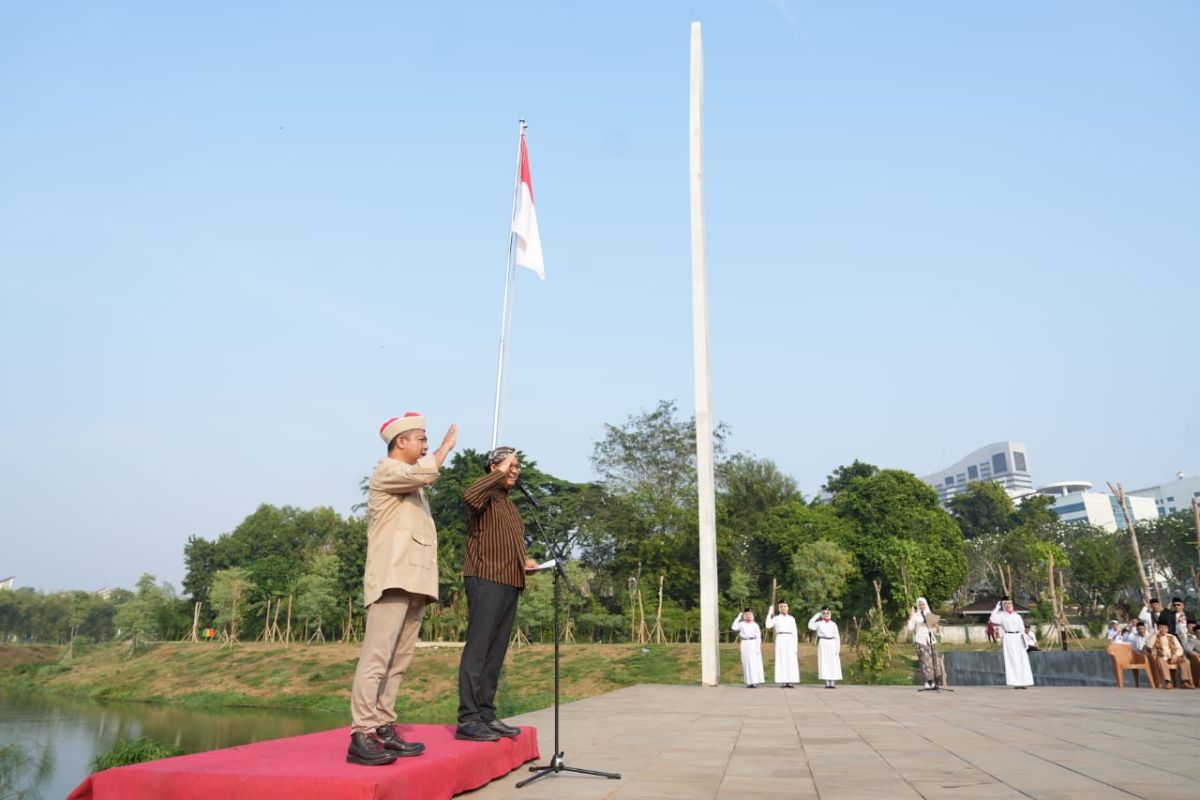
point(781, 532)
point(646, 519)
point(141, 617)
point(1101, 566)
point(749, 490)
point(821, 570)
point(228, 595)
point(902, 537)
point(317, 601)
point(843, 476)
point(1169, 542)
point(983, 508)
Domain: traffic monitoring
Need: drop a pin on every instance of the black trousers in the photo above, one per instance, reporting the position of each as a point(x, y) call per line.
point(491, 608)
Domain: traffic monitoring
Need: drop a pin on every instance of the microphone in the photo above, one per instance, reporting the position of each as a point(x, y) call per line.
point(528, 494)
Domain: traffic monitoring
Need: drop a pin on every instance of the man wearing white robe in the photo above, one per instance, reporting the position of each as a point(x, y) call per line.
point(787, 662)
point(1017, 672)
point(829, 647)
point(751, 643)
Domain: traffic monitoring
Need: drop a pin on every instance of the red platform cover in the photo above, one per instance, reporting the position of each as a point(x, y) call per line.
point(314, 767)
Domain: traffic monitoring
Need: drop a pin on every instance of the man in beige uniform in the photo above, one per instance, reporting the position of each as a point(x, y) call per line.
point(401, 577)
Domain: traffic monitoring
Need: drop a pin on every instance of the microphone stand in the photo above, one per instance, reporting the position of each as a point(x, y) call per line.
point(933, 653)
point(557, 764)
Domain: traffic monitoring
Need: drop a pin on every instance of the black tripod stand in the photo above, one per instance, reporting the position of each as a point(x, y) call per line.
point(556, 764)
point(938, 678)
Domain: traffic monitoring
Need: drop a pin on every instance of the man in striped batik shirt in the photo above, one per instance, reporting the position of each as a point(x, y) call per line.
point(494, 576)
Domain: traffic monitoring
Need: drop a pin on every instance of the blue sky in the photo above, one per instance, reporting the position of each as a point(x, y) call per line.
point(234, 240)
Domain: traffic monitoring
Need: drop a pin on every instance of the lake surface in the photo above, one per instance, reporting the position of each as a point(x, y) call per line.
point(74, 732)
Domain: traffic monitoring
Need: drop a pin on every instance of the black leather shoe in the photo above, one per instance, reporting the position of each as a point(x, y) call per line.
point(476, 731)
point(393, 741)
point(502, 729)
point(367, 749)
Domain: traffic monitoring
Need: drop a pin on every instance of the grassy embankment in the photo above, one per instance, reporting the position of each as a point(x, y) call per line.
point(318, 677)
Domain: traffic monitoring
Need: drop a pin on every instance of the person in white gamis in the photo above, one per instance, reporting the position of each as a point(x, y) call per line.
point(751, 643)
point(829, 647)
point(1017, 672)
point(787, 663)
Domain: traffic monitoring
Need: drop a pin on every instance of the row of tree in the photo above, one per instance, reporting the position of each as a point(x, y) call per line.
point(297, 574)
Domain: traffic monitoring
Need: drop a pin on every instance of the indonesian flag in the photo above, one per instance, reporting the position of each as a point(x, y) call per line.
point(524, 223)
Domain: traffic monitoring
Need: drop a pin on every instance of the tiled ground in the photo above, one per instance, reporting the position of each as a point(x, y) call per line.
point(978, 743)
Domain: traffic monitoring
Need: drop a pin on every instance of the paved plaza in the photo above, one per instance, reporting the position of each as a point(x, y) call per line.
point(871, 742)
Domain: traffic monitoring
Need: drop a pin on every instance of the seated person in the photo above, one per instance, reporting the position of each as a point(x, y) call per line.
point(1137, 639)
point(1114, 630)
point(1166, 651)
point(1191, 646)
point(1030, 640)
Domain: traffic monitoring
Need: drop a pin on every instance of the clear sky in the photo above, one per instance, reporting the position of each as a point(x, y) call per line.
point(234, 238)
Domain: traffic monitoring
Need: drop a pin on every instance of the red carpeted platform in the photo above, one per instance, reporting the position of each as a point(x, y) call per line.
point(314, 767)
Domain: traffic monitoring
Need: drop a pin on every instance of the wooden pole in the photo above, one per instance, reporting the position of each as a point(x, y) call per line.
point(1119, 491)
point(196, 622)
point(710, 656)
point(1196, 519)
point(287, 634)
point(770, 608)
point(659, 636)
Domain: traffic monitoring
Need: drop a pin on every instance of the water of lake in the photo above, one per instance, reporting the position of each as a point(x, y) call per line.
point(74, 732)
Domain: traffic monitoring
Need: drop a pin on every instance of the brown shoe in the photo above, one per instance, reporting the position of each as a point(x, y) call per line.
point(392, 740)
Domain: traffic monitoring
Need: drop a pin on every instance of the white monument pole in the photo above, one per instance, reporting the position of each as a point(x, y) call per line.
point(710, 656)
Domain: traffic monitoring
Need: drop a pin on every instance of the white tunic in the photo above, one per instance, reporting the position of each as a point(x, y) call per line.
point(751, 636)
point(787, 663)
point(1017, 671)
point(829, 648)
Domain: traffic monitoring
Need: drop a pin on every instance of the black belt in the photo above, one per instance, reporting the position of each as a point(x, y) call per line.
point(749, 638)
point(784, 633)
point(1013, 633)
point(826, 637)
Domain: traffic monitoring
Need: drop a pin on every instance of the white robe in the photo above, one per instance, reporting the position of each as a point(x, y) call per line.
point(787, 663)
point(751, 636)
point(1017, 671)
point(829, 648)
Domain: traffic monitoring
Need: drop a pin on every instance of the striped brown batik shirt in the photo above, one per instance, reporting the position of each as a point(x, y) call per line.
point(495, 533)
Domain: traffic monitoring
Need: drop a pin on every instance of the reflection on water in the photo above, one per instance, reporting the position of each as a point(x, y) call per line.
point(72, 732)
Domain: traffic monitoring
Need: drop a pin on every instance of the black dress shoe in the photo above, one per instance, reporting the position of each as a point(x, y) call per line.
point(476, 731)
point(393, 741)
point(367, 749)
point(502, 729)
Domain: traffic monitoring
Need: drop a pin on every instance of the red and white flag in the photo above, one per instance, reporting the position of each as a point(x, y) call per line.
point(524, 223)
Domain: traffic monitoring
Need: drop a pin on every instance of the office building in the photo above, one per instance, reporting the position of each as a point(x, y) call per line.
point(1005, 463)
point(1173, 495)
point(1074, 501)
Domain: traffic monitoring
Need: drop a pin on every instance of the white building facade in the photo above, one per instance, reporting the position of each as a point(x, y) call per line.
point(1074, 501)
point(1005, 463)
point(1173, 495)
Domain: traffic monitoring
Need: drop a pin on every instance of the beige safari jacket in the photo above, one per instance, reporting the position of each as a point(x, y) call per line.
point(401, 537)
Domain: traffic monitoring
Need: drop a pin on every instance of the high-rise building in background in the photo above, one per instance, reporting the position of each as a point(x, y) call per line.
point(1173, 495)
point(1005, 463)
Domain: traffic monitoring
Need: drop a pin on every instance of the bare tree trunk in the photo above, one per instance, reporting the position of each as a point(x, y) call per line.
point(196, 622)
point(1119, 491)
point(287, 634)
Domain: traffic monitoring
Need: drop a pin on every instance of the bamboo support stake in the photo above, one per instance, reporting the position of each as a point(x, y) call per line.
point(659, 637)
point(1119, 491)
point(196, 622)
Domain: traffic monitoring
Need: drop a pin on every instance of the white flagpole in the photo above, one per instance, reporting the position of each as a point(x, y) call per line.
point(509, 291)
point(710, 655)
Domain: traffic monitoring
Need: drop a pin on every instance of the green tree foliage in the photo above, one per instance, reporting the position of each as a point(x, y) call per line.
point(23, 766)
point(1170, 542)
point(1102, 565)
point(784, 530)
point(645, 523)
point(821, 571)
point(983, 508)
point(750, 490)
point(316, 596)
point(843, 476)
point(902, 537)
point(146, 616)
point(229, 596)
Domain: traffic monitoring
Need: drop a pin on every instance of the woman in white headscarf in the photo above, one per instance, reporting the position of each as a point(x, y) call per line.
point(923, 638)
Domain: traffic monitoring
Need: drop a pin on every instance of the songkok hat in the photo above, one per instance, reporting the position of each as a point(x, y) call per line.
point(499, 454)
point(397, 425)
point(1175, 600)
